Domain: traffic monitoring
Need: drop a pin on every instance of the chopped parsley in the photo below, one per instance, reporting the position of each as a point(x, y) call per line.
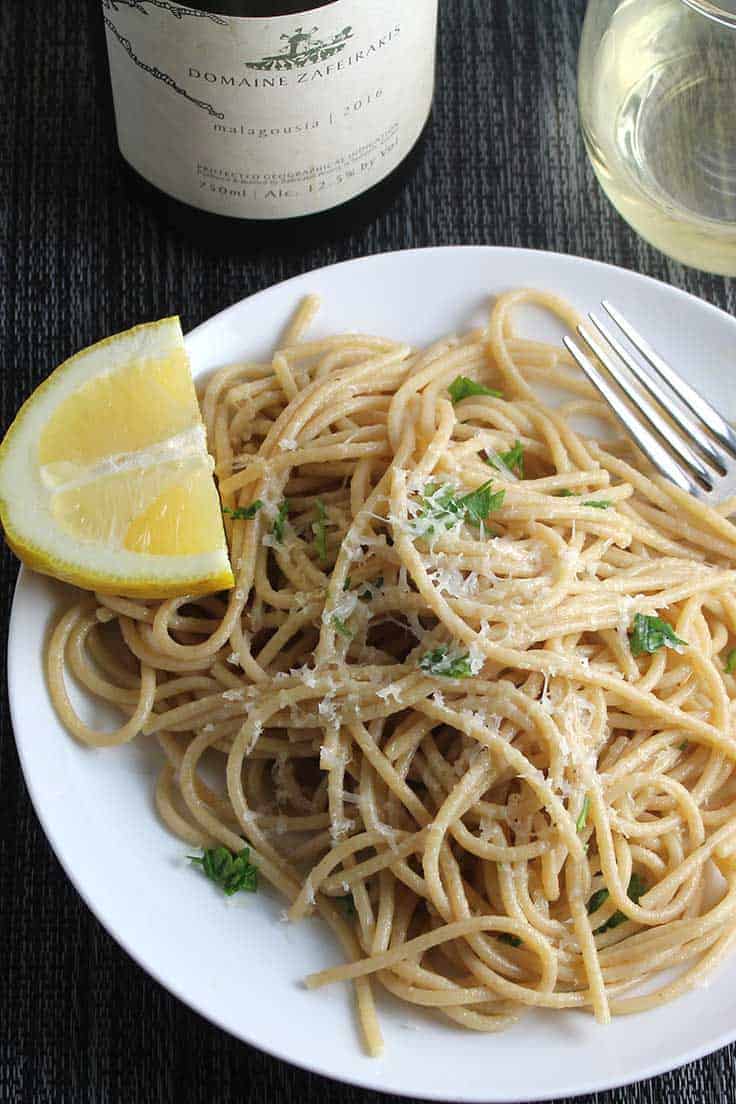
point(230, 872)
point(347, 905)
point(652, 633)
point(683, 746)
point(731, 662)
point(637, 888)
point(442, 508)
point(371, 588)
point(341, 627)
point(319, 528)
point(582, 820)
point(441, 661)
point(596, 503)
point(278, 525)
point(462, 388)
point(439, 510)
point(507, 937)
point(243, 513)
point(513, 459)
point(479, 503)
point(597, 900)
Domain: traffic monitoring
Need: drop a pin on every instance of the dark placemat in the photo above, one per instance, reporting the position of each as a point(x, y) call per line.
point(503, 164)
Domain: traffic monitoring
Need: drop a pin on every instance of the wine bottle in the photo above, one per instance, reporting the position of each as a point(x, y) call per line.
point(267, 115)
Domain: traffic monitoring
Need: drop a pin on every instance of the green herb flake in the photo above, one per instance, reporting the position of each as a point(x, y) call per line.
point(319, 528)
point(683, 746)
point(441, 508)
point(513, 459)
point(511, 940)
point(565, 493)
point(637, 888)
point(231, 872)
point(582, 820)
point(347, 905)
point(441, 661)
point(652, 633)
point(731, 662)
point(598, 898)
point(278, 526)
point(463, 388)
point(347, 584)
point(341, 627)
point(243, 513)
point(438, 510)
point(599, 503)
point(370, 592)
point(479, 503)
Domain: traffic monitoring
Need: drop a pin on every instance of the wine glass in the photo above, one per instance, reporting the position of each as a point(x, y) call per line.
point(657, 94)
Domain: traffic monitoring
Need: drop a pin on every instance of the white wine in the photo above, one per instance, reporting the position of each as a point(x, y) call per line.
point(260, 112)
point(658, 109)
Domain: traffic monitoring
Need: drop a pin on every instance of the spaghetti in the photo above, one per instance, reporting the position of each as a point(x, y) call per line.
point(473, 678)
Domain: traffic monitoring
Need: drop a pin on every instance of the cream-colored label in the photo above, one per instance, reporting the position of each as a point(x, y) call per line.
point(270, 118)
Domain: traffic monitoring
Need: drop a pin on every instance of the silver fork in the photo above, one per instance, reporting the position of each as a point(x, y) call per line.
point(707, 470)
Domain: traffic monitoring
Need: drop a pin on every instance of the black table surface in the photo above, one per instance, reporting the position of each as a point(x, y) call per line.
point(503, 164)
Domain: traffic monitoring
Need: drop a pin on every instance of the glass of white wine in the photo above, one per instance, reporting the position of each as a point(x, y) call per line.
point(657, 93)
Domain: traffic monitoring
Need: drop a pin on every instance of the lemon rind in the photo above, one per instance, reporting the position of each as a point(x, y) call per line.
point(219, 576)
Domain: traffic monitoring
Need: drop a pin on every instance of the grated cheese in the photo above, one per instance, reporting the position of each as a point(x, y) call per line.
point(340, 827)
point(257, 730)
point(327, 708)
point(393, 690)
point(626, 604)
point(304, 674)
point(452, 581)
point(331, 760)
point(477, 658)
point(343, 608)
point(233, 695)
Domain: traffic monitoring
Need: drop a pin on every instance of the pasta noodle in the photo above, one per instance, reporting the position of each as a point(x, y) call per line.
point(471, 696)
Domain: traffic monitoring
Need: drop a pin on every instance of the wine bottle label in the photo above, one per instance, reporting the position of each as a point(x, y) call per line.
point(270, 118)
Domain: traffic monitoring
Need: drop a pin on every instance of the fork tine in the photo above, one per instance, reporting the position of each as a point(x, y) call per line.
point(676, 411)
point(650, 412)
point(718, 426)
point(645, 439)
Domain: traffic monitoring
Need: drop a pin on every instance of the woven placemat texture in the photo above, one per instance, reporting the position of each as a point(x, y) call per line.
point(80, 259)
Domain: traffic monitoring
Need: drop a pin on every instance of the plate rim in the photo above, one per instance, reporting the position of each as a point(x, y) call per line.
point(367, 258)
point(591, 1085)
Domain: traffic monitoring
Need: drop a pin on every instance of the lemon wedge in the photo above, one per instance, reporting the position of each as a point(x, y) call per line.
point(105, 478)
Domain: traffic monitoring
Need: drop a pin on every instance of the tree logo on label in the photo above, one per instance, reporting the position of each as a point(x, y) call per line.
point(302, 48)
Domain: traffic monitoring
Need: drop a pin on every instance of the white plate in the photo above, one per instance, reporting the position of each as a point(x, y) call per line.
point(236, 963)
